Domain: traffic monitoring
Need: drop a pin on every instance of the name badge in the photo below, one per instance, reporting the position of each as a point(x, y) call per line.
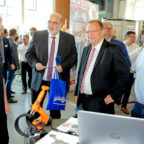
point(5, 45)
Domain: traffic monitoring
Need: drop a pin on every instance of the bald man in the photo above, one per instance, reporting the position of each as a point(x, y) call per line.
point(39, 56)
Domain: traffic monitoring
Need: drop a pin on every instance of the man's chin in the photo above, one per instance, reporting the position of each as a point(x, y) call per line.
point(53, 32)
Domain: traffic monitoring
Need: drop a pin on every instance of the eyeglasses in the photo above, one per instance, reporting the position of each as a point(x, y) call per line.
point(53, 23)
point(87, 32)
point(132, 37)
point(107, 28)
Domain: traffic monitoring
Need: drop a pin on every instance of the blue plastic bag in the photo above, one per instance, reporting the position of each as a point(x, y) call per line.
point(57, 94)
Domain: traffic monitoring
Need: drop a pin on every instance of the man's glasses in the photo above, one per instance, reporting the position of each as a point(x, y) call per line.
point(87, 32)
point(53, 23)
point(132, 37)
point(107, 28)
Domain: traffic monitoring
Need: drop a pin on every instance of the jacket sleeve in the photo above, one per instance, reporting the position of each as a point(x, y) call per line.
point(31, 55)
point(122, 71)
point(72, 59)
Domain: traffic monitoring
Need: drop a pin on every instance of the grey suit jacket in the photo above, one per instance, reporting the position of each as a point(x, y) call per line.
point(15, 59)
point(38, 53)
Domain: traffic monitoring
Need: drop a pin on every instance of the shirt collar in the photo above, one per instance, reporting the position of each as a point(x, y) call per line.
point(98, 46)
point(57, 36)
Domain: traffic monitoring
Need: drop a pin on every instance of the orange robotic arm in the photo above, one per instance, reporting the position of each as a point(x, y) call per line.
point(43, 118)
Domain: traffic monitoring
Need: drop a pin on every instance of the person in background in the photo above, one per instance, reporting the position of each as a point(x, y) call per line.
point(102, 74)
point(133, 51)
point(138, 109)
point(32, 30)
point(4, 106)
point(11, 72)
point(7, 57)
point(25, 67)
point(5, 33)
point(108, 32)
point(41, 55)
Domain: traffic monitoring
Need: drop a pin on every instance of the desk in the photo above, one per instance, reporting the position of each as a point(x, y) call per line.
point(55, 137)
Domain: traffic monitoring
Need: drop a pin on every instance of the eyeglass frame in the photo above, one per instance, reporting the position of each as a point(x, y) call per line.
point(53, 23)
point(87, 32)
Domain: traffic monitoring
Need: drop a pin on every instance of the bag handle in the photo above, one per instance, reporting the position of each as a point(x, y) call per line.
point(56, 73)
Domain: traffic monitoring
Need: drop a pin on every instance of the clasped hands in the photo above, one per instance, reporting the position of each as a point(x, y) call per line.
point(40, 67)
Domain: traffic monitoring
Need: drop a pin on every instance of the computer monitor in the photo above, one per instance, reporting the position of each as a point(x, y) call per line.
point(98, 128)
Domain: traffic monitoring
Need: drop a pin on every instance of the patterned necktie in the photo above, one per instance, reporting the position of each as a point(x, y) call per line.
point(51, 60)
point(87, 68)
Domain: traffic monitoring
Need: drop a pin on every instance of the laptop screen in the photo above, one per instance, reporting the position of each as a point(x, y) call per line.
point(98, 128)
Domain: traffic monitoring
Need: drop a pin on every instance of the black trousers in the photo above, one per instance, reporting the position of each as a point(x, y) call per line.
point(127, 90)
point(3, 129)
point(55, 114)
point(25, 67)
point(96, 104)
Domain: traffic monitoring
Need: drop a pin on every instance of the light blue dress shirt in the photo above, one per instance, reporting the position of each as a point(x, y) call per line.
point(139, 78)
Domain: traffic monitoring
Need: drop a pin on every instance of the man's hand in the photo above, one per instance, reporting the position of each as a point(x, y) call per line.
point(12, 66)
point(75, 99)
point(132, 71)
point(39, 67)
point(108, 99)
point(18, 70)
point(59, 68)
point(7, 108)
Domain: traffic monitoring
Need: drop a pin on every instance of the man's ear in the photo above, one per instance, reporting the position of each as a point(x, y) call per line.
point(112, 32)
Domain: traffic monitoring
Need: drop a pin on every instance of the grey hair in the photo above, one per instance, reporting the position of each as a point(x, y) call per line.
point(59, 15)
point(109, 24)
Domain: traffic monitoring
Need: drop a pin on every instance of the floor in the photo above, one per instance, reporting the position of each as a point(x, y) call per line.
point(24, 103)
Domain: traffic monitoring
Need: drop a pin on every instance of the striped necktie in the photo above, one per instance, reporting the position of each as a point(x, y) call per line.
point(86, 69)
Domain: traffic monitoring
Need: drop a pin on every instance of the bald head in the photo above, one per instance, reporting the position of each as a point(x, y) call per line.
point(58, 16)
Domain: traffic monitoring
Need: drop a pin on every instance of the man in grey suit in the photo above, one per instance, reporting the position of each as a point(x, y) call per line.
point(41, 54)
point(15, 60)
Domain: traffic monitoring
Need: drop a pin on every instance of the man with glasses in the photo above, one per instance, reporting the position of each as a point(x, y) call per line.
point(133, 51)
point(42, 52)
point(108, 31)
point(102, 74)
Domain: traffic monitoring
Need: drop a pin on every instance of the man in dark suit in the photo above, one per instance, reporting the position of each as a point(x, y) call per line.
point(108, 30)
point(4, 106)
point(41, 54)
point(8, 57)
point(102, 74)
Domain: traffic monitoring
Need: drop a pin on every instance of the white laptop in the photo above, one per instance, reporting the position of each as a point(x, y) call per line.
point(97, 128)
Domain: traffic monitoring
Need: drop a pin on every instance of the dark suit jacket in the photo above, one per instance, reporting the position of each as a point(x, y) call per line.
point(15, 58)
point(7, 52)
point(109, 74)
point(38, 52)
point(124, 49)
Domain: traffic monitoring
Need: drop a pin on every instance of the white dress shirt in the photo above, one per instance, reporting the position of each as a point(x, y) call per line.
point(55, 53)
point(22, 51)
point(87, 81)
point(133, 51)
point(139, 78)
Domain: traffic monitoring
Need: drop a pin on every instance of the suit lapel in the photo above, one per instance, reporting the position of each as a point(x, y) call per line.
point(45, 47)
point(86, 56)
point(61, 44)
point(100, 52)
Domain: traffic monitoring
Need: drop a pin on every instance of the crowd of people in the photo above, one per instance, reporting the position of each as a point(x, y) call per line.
point(106, 67)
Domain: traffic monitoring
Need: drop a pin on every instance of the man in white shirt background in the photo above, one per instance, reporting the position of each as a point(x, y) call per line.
point(25, 67)
point(133, 51)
